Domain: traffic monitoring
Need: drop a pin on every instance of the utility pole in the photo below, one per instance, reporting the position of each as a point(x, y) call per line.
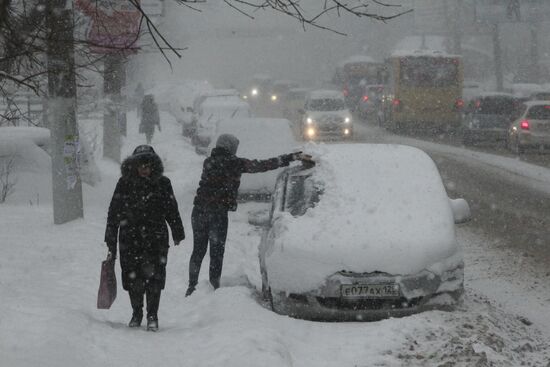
point(457, 27)
point(534, 69)
point(497, 52)
point(61, 115)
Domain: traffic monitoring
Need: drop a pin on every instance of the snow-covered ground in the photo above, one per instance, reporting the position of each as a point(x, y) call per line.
point(49, 278)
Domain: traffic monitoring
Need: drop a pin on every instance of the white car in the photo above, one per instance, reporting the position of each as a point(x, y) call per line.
point(192, 112)
point(212, 110)
point(259, 138)
point(366, 233)
point(531, 130)
point(326, 115)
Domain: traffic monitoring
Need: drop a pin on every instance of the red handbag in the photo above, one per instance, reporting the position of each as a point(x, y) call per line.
point(107, 285)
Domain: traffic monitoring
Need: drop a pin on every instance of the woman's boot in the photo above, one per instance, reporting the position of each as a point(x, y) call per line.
point(136, 299)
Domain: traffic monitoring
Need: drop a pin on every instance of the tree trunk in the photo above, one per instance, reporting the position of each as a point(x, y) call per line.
point(65, 145)
point(114, 116)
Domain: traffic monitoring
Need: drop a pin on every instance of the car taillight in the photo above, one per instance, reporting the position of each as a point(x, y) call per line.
point(459, 103)
point(365, 98)
point(524, 125)
point(397, 105)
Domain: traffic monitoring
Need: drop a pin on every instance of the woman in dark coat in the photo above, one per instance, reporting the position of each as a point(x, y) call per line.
point(149, 117)
point(142, 204)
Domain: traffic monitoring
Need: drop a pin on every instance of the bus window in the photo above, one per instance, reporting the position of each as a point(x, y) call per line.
point(428, 72)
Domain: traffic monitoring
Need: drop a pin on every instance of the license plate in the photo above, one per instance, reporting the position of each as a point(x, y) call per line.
point(365, 291)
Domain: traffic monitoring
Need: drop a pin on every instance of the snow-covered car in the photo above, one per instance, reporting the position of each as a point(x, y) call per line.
point(259, 138)
point(488, 116)
point(29, 145)
point(326, 116)
point(366, 233)
point(531, 129)
point(189, 122)
point(212, 110)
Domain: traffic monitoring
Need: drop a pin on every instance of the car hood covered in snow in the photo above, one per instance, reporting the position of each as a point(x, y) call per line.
point(383, 208)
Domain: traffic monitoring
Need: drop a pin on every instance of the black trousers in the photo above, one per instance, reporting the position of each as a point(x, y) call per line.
point(153, 301)
point(209, 226)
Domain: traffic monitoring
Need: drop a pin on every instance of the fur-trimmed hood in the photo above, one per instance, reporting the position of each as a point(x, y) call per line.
point(142, 154)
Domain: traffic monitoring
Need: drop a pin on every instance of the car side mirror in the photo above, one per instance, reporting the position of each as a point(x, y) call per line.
point(259, 218)
point(461, 210)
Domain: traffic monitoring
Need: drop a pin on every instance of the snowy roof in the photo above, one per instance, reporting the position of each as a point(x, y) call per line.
point(356, 59)
point(224, 102)
point(422, 53)
point(325, 94)
point(383, 208)
point(537, 103)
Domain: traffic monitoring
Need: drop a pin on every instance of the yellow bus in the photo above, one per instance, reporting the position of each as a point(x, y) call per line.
point(424, 92)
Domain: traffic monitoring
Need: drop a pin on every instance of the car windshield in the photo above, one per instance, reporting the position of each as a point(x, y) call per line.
point(326, 104)
point(539, 112)
point(302, 193)
point(429, 72)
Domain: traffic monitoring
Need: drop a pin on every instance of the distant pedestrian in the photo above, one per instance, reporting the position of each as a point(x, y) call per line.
point(216, 195)
point(142, 204)
point(139, 93)
point(149, 117)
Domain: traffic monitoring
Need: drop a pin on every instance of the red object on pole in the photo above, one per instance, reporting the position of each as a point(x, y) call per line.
point(114, 25)
point(107, 285)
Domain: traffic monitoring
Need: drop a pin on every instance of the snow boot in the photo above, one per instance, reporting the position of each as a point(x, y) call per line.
point(189, 291)
point(152, 323)
point(136, 319)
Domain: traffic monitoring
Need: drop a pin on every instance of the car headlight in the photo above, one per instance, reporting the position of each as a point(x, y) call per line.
point(311, 132)
point(309, 121)
point(274, 97)
point(347, 120)
point(254, 92)
point(346, 131)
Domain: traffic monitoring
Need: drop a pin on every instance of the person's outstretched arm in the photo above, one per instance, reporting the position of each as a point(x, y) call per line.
point(255, 165)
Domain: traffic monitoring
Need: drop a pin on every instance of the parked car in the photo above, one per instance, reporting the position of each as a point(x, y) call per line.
point(326, 116)
point(293, 103)
point(211, 111)
point(189, 122)
point(369, 104)
point(260, 138)
point(366, 233)
point(531, 130)
point(488, 117)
